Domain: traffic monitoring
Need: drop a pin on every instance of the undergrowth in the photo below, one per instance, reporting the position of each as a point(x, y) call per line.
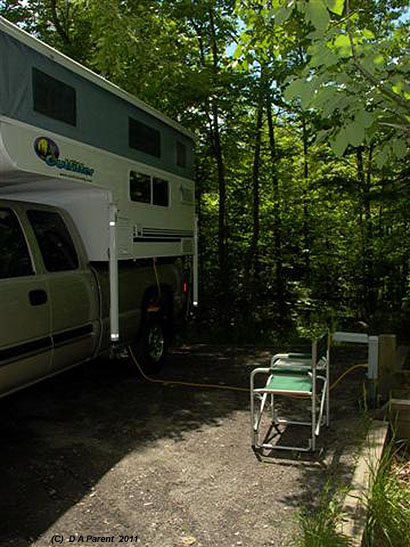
point(388, 503)
point(319, 529)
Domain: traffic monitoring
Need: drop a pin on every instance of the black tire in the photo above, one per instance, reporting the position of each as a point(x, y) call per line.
point(150, 350)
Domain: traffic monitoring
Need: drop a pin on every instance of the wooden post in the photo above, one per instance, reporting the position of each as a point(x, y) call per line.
point(387, 365)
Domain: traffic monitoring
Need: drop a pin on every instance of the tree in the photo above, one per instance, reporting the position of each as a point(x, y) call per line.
point(302, 162)
point(358, 80)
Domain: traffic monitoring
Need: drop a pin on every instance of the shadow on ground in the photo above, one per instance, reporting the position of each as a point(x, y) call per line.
point(61, 437)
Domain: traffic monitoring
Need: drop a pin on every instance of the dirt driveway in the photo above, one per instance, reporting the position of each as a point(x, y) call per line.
point(98, 456)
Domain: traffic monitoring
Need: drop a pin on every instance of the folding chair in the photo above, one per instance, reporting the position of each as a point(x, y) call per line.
point(299, 375)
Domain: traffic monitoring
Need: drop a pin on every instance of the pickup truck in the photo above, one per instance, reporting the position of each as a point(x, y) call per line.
point(54, 310)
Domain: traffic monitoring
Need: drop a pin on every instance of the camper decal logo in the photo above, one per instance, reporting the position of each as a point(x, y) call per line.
point(48, 151)
point(46, 148)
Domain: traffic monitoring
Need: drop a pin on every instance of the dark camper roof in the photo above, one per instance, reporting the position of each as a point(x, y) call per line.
point(45, 89)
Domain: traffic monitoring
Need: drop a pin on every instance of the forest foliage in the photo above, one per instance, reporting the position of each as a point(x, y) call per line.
point(301, 109)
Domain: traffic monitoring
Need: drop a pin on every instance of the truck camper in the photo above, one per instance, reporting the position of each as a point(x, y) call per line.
point(98, 242)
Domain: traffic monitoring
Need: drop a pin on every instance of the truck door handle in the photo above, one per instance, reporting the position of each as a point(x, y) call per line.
point(38, 297)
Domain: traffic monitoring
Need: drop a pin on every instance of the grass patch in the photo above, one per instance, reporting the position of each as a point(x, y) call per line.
point(387, 505)
point(388, 501)
point(318, 529)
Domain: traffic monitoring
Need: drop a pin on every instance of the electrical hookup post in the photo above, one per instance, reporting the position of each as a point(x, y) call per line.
point(382, 362)
point(372, 343)
point(113, 269)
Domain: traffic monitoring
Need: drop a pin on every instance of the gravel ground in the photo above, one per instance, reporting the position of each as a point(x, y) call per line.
point(98, 456)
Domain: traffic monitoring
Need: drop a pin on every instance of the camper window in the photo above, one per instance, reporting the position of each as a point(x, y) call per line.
point(160, 194)
point(140, 187)
point(181, 154)
point(53, 98)
point(144, 138)
point(147, 189)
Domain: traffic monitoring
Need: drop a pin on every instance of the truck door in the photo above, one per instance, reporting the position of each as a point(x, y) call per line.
point(25, 341)
point(72, 288)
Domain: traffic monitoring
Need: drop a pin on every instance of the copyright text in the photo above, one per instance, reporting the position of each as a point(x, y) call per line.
point(58, 539)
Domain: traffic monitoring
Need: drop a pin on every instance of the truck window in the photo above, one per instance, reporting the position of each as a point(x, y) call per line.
point(56, 245)
point(15, 259)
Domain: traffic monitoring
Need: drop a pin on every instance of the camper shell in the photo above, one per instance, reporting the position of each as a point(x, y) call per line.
point(69, 137)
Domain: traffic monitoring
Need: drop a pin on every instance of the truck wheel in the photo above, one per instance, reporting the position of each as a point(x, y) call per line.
point(151, 349)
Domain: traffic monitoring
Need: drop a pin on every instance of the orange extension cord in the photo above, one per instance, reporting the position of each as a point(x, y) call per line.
point(223, 386)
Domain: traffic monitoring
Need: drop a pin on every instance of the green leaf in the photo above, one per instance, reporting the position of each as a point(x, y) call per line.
point(282, 14)
point(368, 34)
point(322, 136)
point(379, 60)
point(382, 156)
point(301, 6)
point(336, 6)
point(306, 94)
point(340, 142)
point(355, 133)
point(398, 87)
point(342, 43)
point(365, 118)
point(327, 100)
point(329, 58)
point(321, 56)
point(301, 89)
point(399, 148)
point(367, 62)
point(294, 89)
point(238, 51)
point(317, 13)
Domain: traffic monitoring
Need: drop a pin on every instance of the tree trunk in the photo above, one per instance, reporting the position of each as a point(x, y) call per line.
point(211, 109)
point(306, 229)
point(217, 147)
point(277, 227)
point(366, 259)
point(253, 258)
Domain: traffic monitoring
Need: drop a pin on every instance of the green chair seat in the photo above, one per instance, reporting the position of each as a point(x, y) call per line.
point(289, 384)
